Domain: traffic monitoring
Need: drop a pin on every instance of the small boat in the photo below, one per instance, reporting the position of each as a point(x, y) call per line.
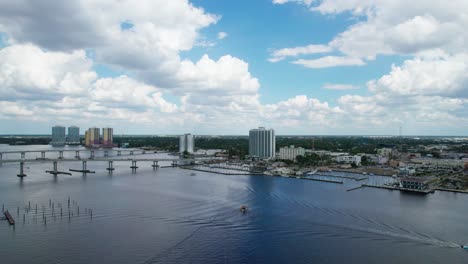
point(465, 247)
point(243, 209)
point(192, 174)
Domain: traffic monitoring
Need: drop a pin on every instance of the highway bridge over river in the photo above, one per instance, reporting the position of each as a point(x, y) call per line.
point(176, 161)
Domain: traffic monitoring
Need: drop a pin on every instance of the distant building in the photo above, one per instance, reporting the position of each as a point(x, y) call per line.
point(73, 135)
point(186, 143)
point(349, 159)
point(415, 183)
point(58, 136)
point(107, 136)
point(87, 139)
point(385, 152)
point(290, 153)
point(93, 137)
point(262, 143)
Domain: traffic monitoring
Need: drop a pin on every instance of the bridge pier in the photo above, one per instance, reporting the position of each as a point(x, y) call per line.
point(21, 174)
point(92, 154)
point(55, 167)
point(77, 154)
point(84, 165)
point(119, 153)
point(106, 153)
point(174, 163)
point(134, 165)
point(110, 167)
point(155, 164)
point(131, 152)
point(43, 155)
point(23, 155)
point(143, 152)
point(61, 155)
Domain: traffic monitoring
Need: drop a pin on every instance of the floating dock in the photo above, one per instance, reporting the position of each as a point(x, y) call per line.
point(9, 218)
point(83, 171)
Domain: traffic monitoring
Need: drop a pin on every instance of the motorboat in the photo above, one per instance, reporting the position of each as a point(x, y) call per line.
point(243, 209)
point(465, 247)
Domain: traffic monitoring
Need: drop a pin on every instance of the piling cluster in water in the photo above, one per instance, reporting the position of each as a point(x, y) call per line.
point(54, 211)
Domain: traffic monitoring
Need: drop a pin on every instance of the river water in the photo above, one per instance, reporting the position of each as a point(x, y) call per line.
point(168, 215)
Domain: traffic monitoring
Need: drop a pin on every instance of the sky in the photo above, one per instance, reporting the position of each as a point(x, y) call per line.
point(222, 67)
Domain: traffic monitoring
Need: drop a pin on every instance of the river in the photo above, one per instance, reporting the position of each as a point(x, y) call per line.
point(168, 215)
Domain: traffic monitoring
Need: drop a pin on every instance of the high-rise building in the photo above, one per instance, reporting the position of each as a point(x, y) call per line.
point(186, 143)
point(73, 135)
point(94, 137)
point(262, 143)
point(58, 136)
point(107, 136)
point(87, 139)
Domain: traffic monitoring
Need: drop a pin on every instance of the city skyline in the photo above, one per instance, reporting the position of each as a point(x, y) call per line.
point(214, 68)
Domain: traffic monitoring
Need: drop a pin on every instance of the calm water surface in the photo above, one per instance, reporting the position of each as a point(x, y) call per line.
point(168, 216)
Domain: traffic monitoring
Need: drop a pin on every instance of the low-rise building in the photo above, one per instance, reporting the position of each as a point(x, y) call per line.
point(349, 159)
point(385, 152)
point(414, 183)
point(291, 152)
point(440, 163)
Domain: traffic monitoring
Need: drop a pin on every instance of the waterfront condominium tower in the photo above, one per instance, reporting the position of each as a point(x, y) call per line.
point(262, 143)
point(107, 136)
point(73, 135)
point(93, 137)
point(58, 136)
point(186, 143)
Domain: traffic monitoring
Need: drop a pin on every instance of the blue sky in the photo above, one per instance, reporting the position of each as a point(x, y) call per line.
point(222, 67)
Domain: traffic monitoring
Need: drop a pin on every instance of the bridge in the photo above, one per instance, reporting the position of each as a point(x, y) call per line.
point(92, 152)
point(174, 163)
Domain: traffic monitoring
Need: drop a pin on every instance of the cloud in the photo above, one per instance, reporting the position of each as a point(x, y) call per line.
point(335, 86)
point(329, 61)
point(281, 54)
point(445, 75)
point(222, 35)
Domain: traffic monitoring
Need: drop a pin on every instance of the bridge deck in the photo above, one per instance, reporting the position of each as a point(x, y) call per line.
point(71, 150)
point(95, 159)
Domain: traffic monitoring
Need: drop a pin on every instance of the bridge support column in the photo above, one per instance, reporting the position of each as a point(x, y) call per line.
point(143, 152)
point(77, 154)
point(1, 156)
point(134, 165)
point(131, 152)
point(92, 154)
point(155, 164)
point(60, 154)
point(42, 154)
point(110, 167)
point(119, 153)
point(174, 163)
point(106, 153)
point(55, 166)
point(84, 165)
point(23, 155)
point(21, 174)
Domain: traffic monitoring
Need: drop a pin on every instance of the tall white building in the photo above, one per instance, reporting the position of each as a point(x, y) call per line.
point(58, 136)
point(262, 143)
point(186, 143)
point(73, 135)
point(290, 153)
